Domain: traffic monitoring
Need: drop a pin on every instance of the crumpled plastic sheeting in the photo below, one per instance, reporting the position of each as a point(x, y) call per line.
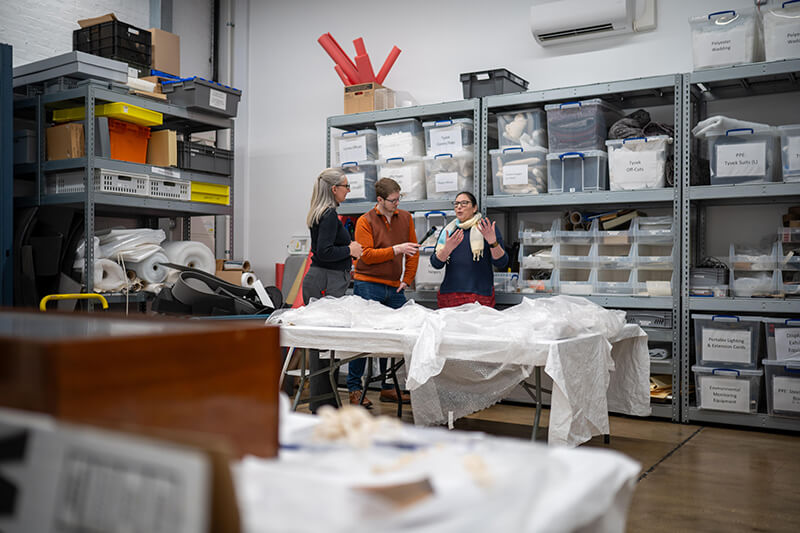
point(626, 391)
point(115, 241)
point(719, 124)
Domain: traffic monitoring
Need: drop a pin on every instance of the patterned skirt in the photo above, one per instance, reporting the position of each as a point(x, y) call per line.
point(454, 299)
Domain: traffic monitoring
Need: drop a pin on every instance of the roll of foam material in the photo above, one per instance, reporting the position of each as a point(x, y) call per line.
point(248, 279)
point(192, 254)
point(151, 269)
point(108, 276)
point(236, 265)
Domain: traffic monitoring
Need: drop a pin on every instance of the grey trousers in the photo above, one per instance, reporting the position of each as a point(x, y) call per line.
point(321, 282)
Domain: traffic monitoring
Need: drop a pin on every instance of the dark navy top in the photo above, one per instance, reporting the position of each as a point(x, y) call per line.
point(330, 243)
point(462, 274)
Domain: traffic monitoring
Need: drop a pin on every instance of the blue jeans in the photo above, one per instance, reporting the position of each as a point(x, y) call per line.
point(388, 296)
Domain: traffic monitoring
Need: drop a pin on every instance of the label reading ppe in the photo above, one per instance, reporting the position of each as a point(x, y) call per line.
point(725, 394)
point(637, 168)
point(217, 99)
point(446, 181)
point(793, 152)
point(787, 342)
point(720, 47)
point(446, 140)
point(352, 149)
point(357, 189)
point(786, 394)
point(726, 345)
point(747, 159)
point(515, 175)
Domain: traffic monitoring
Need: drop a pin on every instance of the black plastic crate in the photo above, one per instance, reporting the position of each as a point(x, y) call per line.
point(489, 82)
point(115, 40)
point(202, 158)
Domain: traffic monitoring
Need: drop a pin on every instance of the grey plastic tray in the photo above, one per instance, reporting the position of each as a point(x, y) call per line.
point(74, 64)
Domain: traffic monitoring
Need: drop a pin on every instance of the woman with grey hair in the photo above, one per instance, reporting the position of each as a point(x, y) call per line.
point(332, 258)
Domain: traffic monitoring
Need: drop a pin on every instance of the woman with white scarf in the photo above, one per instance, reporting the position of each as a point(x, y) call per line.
point(467, 249)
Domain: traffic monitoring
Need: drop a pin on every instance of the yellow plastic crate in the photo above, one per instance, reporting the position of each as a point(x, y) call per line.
point(210, 198)
point(211, 188)
point(119, 110)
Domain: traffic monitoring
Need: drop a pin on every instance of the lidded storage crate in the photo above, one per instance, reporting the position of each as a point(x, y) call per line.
point(783, 338)
point(400, 138)
point(727, 389)
point(408, 172)
point(515, 171)
point(361, 176)
point(790, 150)
point(489, 82)
point(724, 38)
point(580, 125)
point(202, 158)
point(526, 128)
point(783, 387)
point(449, 136)
point(782, 30)
point(577, 171)
point(638, 163)
point(115, 40)
point(448, 174)
point(743, 155)
point(203, 95)
point(727, 340)
point(355, 145)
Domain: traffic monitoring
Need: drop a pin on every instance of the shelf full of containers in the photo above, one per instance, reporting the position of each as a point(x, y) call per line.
point(145, 163)
point(740, 213)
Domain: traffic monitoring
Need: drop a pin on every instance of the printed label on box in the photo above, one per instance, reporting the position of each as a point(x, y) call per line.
point(728, 345)
point(786, 44)
point(402, 175)
point(720, 47)
point(787, 342)
point(446, 181)
point(793, 152)
point(747, 159)
point(515, 175)
point(635, 167)
point(352, 149)
point(725, 394)
point(446, 140)
point(172, 173)
point(357, 189)
point(786, 394)
point(217, 99)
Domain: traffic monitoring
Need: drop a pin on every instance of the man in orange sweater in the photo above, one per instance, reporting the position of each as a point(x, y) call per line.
point(387, 266)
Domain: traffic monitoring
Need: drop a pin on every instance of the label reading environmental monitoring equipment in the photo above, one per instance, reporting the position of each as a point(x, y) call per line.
point(446, 181)
point(725, 394)
point(786, 394)
point(217, 99)
point(721, 48)
point(747, 159)
point(726, 345)
point(515, 174)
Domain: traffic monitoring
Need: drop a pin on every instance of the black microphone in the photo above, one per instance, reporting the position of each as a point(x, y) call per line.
point(430, 232)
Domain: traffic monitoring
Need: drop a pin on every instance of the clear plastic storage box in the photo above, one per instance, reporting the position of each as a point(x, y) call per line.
point(577, 171)
point(427, 277)
point(517, 171)
point(724, 38)
point(781, 30)
point(653, 230)
point(568, 255)
point(540, 286)
point(538, 234)
point(614, 256)
point(790, 149)
point(616, 282)
point(727, 389)
point(578, 282)
point(580, 125)
point(638, 163)
point(654, 282)
point(783, 387)
point(449, 136)
point(408, 172)
point(448, 174)
point(782, 336)
point(525, 128)
point(654, 256)
point(400, 138)
point(728, 340)
point(756, 284)
point(746, 258)
point(355, 145)
point(362, 177)
point(743, 155)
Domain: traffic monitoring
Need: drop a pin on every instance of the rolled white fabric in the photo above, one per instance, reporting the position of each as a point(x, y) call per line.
point(150, 270)
point(248, 278)
point(192, 254)
point(108, 276)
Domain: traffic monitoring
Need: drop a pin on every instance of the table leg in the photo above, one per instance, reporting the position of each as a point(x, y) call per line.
point(332, 376)
point(303, 362)
point(537, 372)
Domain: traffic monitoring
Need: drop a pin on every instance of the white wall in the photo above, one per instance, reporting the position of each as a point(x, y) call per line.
point(292, 86)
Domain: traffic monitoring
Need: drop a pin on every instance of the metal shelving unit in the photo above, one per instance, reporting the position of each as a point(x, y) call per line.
point(93, 203)
point(700, 88)
point(629, 95)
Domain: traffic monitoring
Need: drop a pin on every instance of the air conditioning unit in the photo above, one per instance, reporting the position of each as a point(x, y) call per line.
point(561, 21)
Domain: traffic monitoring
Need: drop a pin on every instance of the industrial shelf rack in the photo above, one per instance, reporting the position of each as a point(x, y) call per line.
point(629, 95)
point(700, 88)
point(88, 93)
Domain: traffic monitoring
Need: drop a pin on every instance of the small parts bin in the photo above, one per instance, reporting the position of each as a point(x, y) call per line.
point(202, 158)
point(783, 387)
point(518, 171)
point(202, 94)
point(577, 171)
point(525, 128)
point(638, 163)
point(727, 340)
point(211, 193)
point(725, 38)
point(355, 145)
point(579, 125)
point(128, 141)
point(727, 389)
point(743, 155)
point(361, 176)
point(448, 174)
point(489, 82)
point(449, 136)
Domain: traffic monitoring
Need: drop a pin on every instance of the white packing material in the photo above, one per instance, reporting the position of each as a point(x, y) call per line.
point(108, 276)
point(192, 254)
point(719, 124)
point(115, 241)
point(138, 253)
point(81, 251)
point(151, 269)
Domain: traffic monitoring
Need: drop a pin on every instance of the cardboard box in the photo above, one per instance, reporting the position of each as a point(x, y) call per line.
point(108, 17)
point(364, 97)
point(156, 80)
point(65, 141)
point(231, 276)
point(165, 52)
point(162, 150)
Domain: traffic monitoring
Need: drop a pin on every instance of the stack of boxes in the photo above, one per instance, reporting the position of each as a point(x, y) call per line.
point(401, 146)
point(449, 163)
point(356, 153)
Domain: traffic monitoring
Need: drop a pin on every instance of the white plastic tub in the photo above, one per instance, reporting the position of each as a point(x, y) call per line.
point(724, 38)
point(408, 172)
point(362, 177)
point(516, 171)
point(638, 163)
point(400, 138)
point(355, 145)
point(782, 31)
point(525, 128)
point(727, 389)
point(449, 136)
point(743, 155)
point(577, 171)
point(574, 126)
point(448, 174)
point(790, 151)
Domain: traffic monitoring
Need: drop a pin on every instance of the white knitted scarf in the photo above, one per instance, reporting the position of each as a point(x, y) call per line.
point(475, 237)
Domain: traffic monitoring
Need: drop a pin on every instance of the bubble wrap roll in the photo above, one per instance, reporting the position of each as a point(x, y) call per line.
point(150, 269)
point(192, 254)
point(108, 276)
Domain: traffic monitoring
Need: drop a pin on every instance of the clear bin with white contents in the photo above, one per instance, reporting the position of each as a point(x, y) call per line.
point(449, 136)
point(580, 126)
point(355, 145)
point(638, 163)
point(781, 30)
point(782, 336)
point(408, 172)
point(525, 128)
point(727, 340)
point(790, 149)
point(400, 138)
point(756, 284)
point(361, 176)
point(517, 171)
point(744, 155)
point(577, 171)
point(448, 174)
point(783, 387)
point(725, 38)
point(727, 389)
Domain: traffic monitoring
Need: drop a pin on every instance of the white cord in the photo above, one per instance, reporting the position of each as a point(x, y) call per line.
point(121, 261)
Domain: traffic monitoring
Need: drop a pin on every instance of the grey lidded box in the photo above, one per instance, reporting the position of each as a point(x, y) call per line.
point(204, 95)
point(74, 64)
